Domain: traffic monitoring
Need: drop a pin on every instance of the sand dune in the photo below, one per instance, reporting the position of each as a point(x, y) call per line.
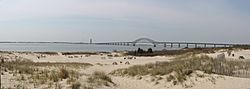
point(104, 63)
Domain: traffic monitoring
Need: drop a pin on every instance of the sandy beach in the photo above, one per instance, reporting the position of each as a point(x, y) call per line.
point(106, 63)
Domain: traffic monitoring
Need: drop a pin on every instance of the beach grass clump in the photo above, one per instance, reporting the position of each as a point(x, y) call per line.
point(63, 73)
point(136, 70)
point(44, 73)
point(53, 76)
point(100, 79)
point(76, 85)
point(87, 87)
point(73, 76)
point(60, 74)
point(182, 68)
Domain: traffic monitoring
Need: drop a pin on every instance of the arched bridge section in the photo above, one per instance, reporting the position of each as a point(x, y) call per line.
point(144, 40)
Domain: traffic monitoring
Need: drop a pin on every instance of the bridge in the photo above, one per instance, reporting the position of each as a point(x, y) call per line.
point(166, 44)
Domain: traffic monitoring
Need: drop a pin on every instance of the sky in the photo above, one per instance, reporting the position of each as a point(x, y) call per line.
point(220, 21)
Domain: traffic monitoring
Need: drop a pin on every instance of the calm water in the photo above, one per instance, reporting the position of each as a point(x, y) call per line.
point(42, 47)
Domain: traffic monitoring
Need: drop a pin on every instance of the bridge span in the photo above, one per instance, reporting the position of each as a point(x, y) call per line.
point(166, 44)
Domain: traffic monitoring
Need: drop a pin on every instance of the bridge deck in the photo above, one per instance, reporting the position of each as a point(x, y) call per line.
point(155, 43)
point(167, 43)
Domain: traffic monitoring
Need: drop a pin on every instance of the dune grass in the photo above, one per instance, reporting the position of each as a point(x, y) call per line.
point(20, 64)
point(43, 73)
point(100, 79)
point(76, 85)
point(184, 67)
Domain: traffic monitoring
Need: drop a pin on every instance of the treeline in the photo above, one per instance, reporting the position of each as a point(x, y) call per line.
point(242, 46)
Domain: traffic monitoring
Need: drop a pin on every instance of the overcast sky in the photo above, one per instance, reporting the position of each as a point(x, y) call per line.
point(223, 21)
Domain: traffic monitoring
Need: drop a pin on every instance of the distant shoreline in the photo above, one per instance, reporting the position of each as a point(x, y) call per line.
point(132, 53)
point(50, 42)
point(87, 47)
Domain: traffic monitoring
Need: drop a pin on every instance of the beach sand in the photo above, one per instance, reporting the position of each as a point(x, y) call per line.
point(102, 62)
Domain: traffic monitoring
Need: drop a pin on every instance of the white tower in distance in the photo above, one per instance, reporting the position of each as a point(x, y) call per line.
point(90, 41)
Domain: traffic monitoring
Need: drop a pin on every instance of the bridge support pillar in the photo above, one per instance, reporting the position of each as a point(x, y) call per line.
point(214, 45)
point(187, 45)
point(179, 45)
point(195, 45)
point(165, 45)
point(205, 45)
point(171, 45)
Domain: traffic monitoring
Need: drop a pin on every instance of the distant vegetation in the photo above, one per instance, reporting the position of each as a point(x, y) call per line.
point(47, 53)
point(7, 52)
point(79, 53)
point(141, 52)
point(150, 52)
point(242, 46)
